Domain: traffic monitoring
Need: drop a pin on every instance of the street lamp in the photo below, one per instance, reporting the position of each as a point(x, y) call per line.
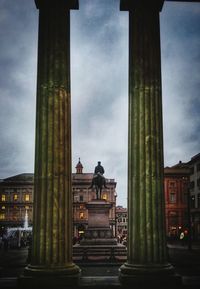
point(189, 219)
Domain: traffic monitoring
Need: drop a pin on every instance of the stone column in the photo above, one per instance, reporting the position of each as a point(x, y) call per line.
point(147, 256)
point(52, 224)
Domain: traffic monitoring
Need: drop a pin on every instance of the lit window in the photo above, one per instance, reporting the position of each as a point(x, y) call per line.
point(27, 198)
point(15, 197)
point(104, 197)
point(81, 215)
point(27, 207)
point(3, 198)
point(172, 198)
point(2, 216)
point(3, 207)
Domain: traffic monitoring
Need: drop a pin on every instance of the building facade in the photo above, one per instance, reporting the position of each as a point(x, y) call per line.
point(121, 223)
point(82, 195)
point(182, 200)
point(176, 183)
point(16, 197)
point(194, 165)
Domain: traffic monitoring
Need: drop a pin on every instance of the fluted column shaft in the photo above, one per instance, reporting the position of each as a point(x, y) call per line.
point(52, 221)
point(145, 152)
point(146, 214)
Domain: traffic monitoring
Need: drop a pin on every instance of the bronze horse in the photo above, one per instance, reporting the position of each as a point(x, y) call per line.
point(99, 182)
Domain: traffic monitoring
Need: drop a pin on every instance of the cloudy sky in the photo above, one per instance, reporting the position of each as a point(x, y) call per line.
point(99, 85)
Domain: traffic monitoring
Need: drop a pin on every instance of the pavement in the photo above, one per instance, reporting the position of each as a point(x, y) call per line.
point(105, 275)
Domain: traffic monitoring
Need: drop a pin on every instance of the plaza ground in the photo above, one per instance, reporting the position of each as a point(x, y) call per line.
point(97, 275)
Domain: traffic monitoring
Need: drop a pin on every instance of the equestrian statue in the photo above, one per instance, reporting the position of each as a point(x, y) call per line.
point(98, 180)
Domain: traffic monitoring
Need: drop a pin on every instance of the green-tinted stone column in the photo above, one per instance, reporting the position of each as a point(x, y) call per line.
point(52, 221)
point(147, 254)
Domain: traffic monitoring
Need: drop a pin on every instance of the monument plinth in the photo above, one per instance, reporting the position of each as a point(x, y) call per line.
point(99, 243)
point(98, 231)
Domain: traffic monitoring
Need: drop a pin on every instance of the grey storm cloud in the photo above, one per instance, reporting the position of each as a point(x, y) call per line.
point(99, 85)
point(180, 35)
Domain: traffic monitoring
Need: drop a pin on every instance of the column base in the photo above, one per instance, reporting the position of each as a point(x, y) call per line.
point(55, 277)
point(152, 275)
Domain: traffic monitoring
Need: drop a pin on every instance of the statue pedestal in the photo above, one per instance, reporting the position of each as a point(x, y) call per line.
point(99, 244)
point(98, 231)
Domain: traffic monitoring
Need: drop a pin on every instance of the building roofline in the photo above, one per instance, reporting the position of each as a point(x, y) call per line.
point(176, 171)
point(194, 158)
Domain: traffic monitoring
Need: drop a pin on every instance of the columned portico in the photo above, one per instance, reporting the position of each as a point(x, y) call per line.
point(147, 256)
point(52, 229)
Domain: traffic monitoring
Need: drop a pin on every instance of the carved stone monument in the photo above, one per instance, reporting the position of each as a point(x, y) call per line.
point(98, 231)
point(99, 240)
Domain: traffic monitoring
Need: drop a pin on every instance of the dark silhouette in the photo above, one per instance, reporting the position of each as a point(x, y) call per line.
point(99, 169)
point(98, 180)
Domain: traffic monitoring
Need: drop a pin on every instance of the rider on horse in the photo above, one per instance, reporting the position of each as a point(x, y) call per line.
point(99, 169)
point(98, 179)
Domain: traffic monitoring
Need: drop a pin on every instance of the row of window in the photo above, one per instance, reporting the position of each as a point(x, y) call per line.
point(82, 215)
point(16, 197)
point(14, 217)
point(122, 220)
point(173, 198)
point(17, 190)
point(122, 215)
point(175, 214)
point(174, 184)
point(15, 207)
point(80, 198)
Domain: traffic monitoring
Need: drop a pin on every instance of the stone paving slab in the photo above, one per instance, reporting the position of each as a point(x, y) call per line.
point(104, 282)
point(102, 275)
point(97, 281)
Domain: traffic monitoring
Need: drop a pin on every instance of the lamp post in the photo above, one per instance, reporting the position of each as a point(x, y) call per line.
point(189, 220)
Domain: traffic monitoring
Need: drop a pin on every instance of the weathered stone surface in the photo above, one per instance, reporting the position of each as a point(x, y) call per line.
point(98, 231)
point(146, 222)
point(52, 229)
point(98, 213)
